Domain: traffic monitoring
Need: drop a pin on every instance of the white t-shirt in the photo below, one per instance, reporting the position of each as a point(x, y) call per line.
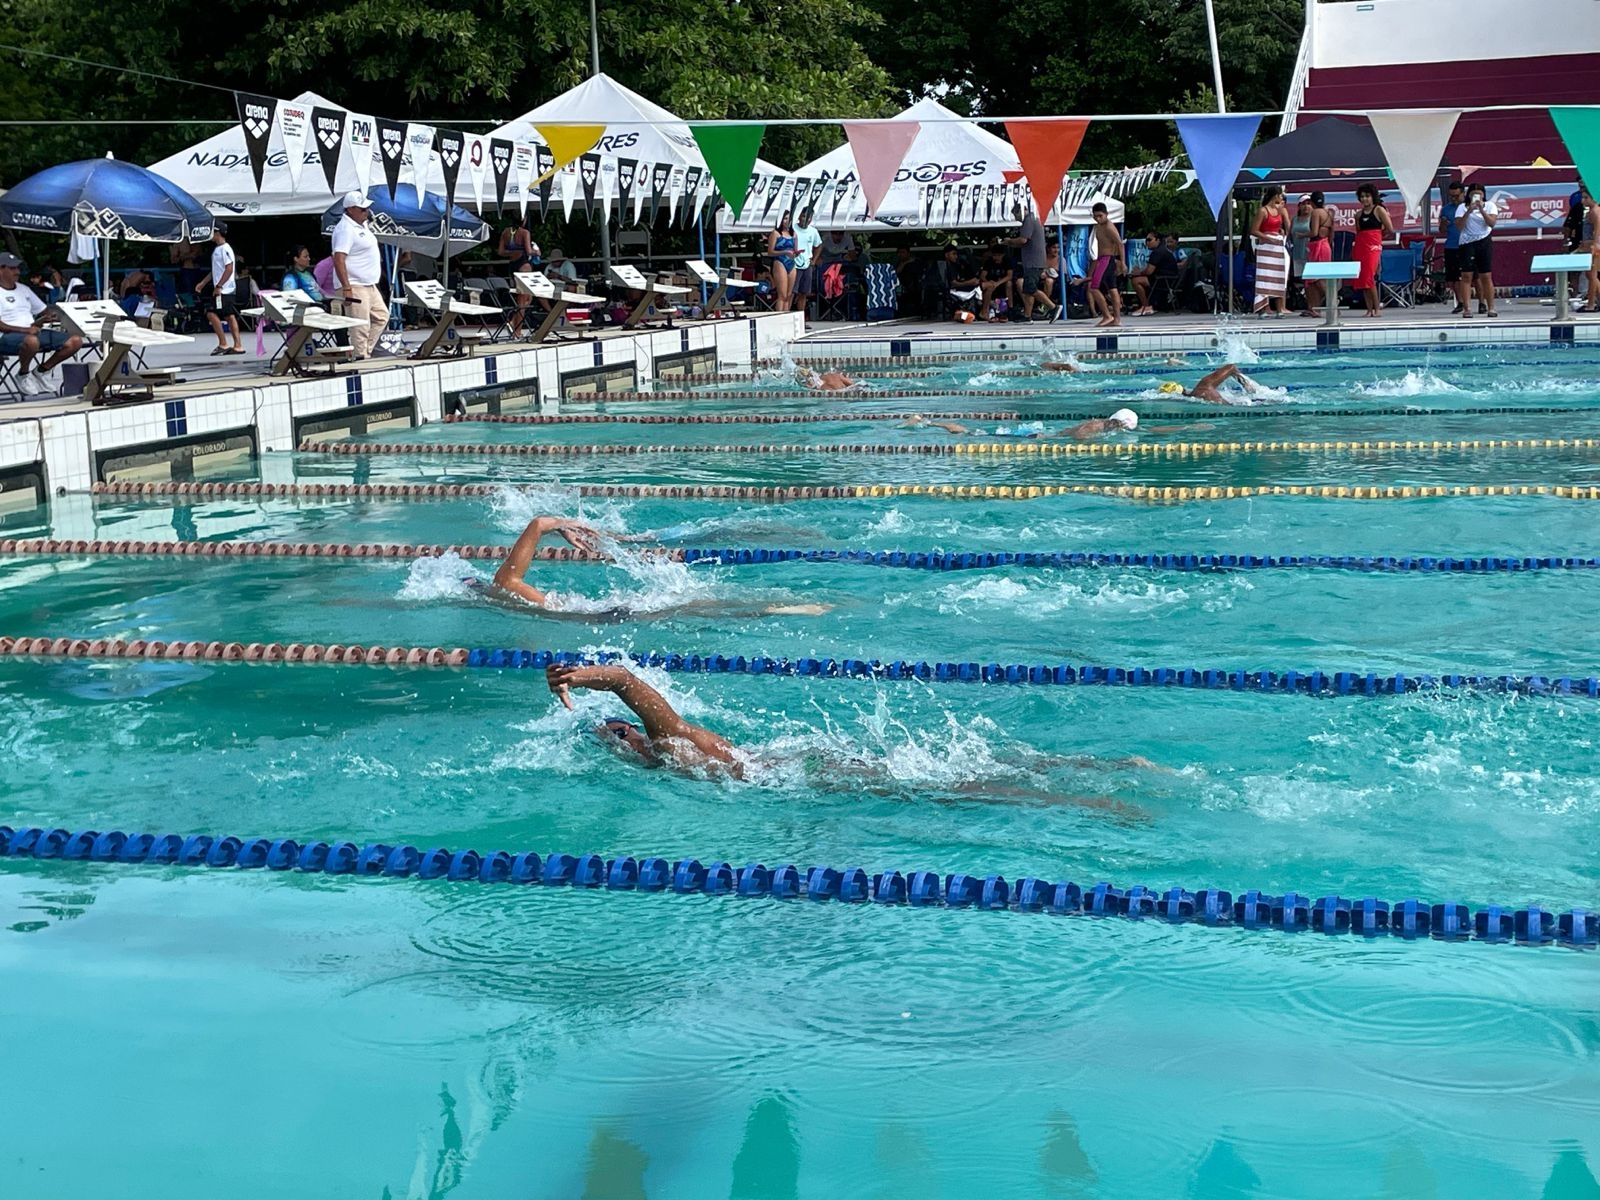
point(355, 241)
point(1472, 225)
point(19, 306)
point(806, 239)
point(221, 260)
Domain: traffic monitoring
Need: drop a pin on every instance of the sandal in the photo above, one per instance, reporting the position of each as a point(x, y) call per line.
point(220, 350)
point(1493, 313)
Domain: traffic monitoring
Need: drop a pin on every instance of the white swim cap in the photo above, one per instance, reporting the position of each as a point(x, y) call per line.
point(1126, 417)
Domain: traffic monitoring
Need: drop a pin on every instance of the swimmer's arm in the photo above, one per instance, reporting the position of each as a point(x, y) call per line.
point(661, 721)
point(509, 578)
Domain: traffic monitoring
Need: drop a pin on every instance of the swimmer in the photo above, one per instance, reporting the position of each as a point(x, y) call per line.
point(828, 381)
point(1208, 389)
point(1121, 421)
point(666, 739)
point(1124, 420)
point(920, 422)
point(510, 587)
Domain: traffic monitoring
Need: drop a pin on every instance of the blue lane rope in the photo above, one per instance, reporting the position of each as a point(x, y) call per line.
point(937, 560)
point(1309, 683)
point(1409, 919)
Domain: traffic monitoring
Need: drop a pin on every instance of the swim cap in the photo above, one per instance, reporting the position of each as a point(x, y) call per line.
point(1169, 388)
point(1126, 417)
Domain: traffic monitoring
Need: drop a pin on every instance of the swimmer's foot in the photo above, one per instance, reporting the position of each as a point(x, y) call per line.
point(797, 610)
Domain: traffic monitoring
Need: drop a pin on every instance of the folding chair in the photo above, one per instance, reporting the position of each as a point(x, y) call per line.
point(114, 337)
point(9, 379)
point(480, 291)
point(1397, 278)
point(302, 318)
point(430, 296)
point(628, 276)
point(542, 288)
point(721, 283)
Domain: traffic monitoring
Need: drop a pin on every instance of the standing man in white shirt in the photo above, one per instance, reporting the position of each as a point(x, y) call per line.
point(222, 312)
point(21, 334)
point(807, 241)
point(358, 269)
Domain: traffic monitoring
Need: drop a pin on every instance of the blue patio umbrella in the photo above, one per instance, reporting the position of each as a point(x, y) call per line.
point(107, 199)
point(414, 222)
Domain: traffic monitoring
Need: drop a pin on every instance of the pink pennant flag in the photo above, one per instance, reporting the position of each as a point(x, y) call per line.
point(879, 147)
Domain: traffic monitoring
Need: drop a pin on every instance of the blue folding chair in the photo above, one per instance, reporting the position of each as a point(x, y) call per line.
point(1397, 278)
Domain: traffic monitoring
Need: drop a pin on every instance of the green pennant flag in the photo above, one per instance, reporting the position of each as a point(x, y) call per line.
point(1580, 130)
point(730, 151)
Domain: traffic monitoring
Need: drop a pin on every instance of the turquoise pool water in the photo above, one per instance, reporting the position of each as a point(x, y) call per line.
point(179, 1033)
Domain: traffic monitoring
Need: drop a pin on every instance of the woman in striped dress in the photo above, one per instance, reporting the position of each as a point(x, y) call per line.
point(1271, 229)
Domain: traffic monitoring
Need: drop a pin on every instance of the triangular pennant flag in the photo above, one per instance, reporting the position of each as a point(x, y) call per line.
point(1217, 147)
point(659, 174)
point(608, 186)
point(691, 194)
point(294, 123)
point(802, 194)
point(523, 160)
point(451, 145)
point(1259, 172)
point(500, 150)
point(392, 150)
point(545, 165)
point(1045, 149)
point(817, 189)
point(929, 191)
point(589, 177)
point(946, 193)
point(360, 135)
point(327, 128)
point(730, 153)
point(674, 191)
point(255, 119)
point(840, 191)
point(1413, 141)
point(1580, 131)
point(625, 172)
point(774, 190)
point(641, 188)
point(566, 142)
point(568, 185)
point(1539, 160)
point(419, 150)
point(477, 167)
point(879, 147)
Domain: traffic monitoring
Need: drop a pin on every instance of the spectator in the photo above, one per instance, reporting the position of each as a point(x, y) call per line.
point(1477, 219)
point(952, 273)
point(222, 311)
point(1157, 280)
point(357, 264)
point(1104, 294)
point(1372, 224)
point(1589, 232)
point(22, 335)
point(300, 276)
point(39, 287)
point(521, 252)
point(835, 248)
point(995, 281)
point(562, 266)
point(1319, 249)
point(781, 244)
point(806, 242)
point(1299, 240)
point(1451, 229)
point(908, 272)
point(137, 295)
point(1578, 231)
point(1178, 252)
point(1270, 228)
point(1030, 243)
point(186, 256)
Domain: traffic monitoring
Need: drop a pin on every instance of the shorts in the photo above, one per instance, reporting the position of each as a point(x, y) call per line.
point(1030, 279)
point(49, 339)
point(223, 305)
point(1452, 264)
point(1104, 276)
point(1476, 257)
point(805, 281)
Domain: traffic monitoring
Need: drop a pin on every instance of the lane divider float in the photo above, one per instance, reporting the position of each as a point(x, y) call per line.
point(1293, 682)
point(1148, 493)
point(1409, 919)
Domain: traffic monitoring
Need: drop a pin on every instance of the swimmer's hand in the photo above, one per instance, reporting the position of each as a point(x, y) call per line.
point(580, 536)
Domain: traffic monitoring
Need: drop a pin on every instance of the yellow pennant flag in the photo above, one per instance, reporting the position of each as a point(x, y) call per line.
point(567, 143)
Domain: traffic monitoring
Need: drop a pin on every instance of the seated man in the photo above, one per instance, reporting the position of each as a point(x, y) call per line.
point(22, 335)
point(1158, 278)
point(996, 282)
point(952, 283)
point(667, 739)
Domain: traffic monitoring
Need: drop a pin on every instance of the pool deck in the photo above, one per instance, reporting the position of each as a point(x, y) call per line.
point(1519, 322)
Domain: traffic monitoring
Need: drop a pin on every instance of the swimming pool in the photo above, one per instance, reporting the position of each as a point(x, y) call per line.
point(189, 1028)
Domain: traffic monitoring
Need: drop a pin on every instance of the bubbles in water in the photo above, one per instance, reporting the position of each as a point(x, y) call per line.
point(985, 379)
point(438, 578)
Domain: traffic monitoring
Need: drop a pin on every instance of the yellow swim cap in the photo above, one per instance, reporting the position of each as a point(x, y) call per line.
point(1169, 388)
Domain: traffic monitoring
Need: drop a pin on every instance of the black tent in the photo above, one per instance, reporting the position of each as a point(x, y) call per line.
point(1330, 151)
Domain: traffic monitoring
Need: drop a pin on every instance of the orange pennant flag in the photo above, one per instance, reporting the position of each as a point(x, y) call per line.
point(1046, 149)
point(568, 143)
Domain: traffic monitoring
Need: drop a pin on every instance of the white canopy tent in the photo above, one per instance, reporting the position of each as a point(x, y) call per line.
point(956, 175)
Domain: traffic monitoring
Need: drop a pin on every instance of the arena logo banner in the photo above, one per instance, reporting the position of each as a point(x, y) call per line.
point(626, 168)
point(545, 164)
point(659, 175)
point(293, 123)
point(359, 135)
point(450, 145)
point(817, 190)
point(589, 174)
point(500, 165)
point(840, 190)
point(691, 192)
point(774, 189)
point(327, 127)
point(802, 194)
point(255, 119)
point(391, 150)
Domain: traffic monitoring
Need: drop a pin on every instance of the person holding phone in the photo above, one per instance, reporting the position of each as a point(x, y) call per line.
point(1476, 219)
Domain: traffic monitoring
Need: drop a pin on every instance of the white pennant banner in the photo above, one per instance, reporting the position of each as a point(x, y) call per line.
point(419, 152)
point(358, 137)
point(641, 189)
point(294, 122)
point(522, 159)
point(477, 167)
point(569, 183)
point(1413, 141)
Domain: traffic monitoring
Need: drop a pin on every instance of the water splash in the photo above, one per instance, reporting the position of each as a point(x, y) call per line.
point(1415, 382)
point(438, 578)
